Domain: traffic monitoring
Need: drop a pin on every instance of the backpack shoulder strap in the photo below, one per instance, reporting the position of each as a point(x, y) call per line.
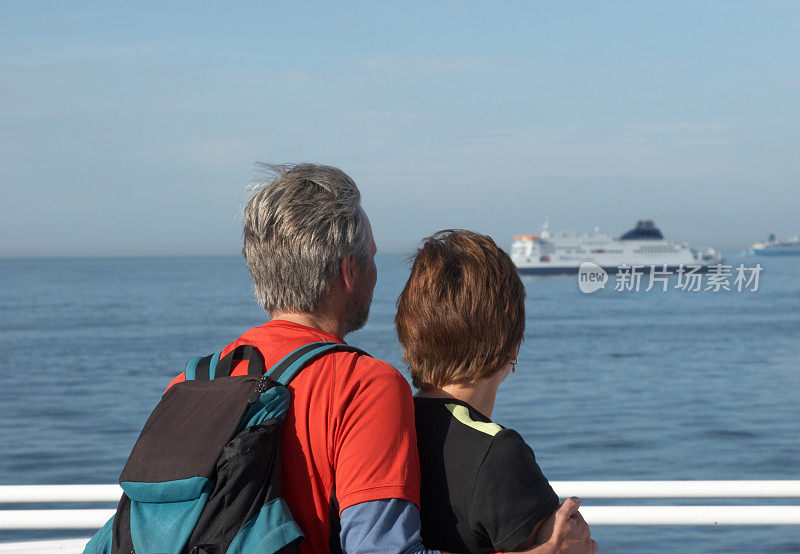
point(205, 368)
point(216, 366)
point(291, 364)
point(200, 368)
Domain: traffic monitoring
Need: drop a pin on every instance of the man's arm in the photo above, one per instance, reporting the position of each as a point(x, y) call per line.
point(389, 525)
point(564, 531)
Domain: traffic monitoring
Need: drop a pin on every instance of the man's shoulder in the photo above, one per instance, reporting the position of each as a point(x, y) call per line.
point(364, 362)
point(360, 368)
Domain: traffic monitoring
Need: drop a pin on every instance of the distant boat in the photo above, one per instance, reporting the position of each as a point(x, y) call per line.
point(643, 245)
point(774, 247)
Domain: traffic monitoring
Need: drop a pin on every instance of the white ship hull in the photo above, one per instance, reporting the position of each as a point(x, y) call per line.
point(644, 247)
point(776, 251)
point(611, 269)
point(775, 247)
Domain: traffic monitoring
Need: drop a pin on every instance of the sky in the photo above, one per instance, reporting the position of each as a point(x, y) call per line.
point(133, 128)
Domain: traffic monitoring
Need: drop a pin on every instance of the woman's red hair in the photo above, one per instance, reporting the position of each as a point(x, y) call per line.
point(461, 315)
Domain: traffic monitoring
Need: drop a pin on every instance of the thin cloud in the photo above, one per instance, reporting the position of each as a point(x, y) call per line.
point(423, 65)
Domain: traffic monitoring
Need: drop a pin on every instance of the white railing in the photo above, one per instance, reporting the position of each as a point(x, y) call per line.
point(586, 490)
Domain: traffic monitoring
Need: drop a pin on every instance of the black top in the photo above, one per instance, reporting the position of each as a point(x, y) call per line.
point(482, 490)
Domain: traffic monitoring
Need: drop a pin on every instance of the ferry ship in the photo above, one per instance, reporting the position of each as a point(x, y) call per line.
point(643, 245)
point(775, 247)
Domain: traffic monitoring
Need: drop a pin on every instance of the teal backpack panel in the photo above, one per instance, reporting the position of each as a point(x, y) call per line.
point(166, 491)
point(269, 532)
point(271, 404)
point(101, 542)
point(165, 527)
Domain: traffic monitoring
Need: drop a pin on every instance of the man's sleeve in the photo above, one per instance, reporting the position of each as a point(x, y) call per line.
point(380, 526)
point(511, 493)
point(178, 379)
point(375, 447)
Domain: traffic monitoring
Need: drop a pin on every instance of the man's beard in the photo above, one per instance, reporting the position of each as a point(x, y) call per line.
point(357, 311)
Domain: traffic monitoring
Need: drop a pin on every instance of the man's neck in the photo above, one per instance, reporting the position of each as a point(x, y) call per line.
point(323, 322)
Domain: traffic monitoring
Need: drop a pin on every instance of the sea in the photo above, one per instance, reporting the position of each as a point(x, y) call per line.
point(612, 385)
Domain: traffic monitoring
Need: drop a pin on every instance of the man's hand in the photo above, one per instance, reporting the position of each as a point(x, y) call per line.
point(565, 532)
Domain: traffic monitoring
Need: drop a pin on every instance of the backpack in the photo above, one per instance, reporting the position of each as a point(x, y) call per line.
point(204, 476)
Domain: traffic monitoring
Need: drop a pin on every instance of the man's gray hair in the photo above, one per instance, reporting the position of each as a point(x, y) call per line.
point(298, 226)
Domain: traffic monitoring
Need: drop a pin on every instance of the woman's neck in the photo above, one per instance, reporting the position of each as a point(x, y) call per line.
point(479, 395)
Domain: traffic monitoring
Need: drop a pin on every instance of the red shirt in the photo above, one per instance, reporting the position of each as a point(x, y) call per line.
point(351, 418)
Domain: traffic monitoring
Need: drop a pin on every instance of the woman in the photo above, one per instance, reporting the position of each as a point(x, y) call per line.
point(461, 320)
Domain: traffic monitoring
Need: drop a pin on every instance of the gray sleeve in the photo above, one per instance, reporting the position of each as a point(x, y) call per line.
point(389, 525)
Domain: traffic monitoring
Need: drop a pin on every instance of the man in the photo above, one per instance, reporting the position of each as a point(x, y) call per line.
point(349, 456)
point(350, 473)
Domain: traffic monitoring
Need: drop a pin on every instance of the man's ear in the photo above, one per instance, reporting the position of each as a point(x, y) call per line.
point(347, 269)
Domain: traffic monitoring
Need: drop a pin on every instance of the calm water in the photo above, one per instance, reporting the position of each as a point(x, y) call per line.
point(612, 385)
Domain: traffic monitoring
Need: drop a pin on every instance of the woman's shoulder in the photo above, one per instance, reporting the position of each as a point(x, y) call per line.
point(512, 495)
point(457, 412)
point(509, 449)
point(464, 434)
point(453, 438)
